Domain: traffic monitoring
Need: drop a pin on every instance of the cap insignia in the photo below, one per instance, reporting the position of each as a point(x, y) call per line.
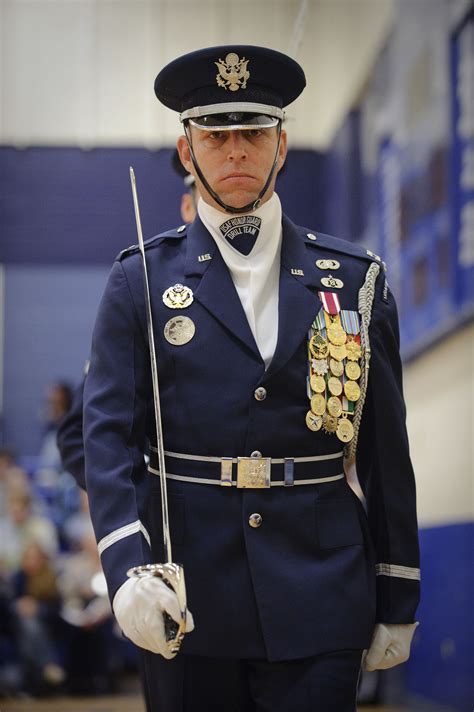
point(233, 73)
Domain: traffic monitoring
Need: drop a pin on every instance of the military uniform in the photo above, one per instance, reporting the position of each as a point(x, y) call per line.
point(313, 549)
point(294, 570)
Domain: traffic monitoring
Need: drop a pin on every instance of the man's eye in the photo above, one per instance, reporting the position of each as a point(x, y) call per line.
point(254, 133)
point(216, 135)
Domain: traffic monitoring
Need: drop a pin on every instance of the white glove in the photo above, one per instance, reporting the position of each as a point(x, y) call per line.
point(390, 645)
point(139, 605)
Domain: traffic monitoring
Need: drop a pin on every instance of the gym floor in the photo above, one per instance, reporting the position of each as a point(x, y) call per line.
point(107, 704)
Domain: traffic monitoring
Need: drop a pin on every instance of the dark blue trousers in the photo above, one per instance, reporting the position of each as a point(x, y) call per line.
point(324, 683)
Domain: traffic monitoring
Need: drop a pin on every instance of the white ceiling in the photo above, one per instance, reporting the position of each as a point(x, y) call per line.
point(80, 72)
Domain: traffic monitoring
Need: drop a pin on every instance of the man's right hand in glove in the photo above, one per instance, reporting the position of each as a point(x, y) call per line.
point(139, 605)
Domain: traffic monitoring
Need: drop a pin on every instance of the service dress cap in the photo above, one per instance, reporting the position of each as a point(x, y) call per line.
point(230, 86)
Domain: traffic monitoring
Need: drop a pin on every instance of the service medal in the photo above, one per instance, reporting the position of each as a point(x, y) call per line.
point(330, 423)
point(318, 383)
point(336, 334)
point(320, 366)
point(335, 386)
point(352, 370)
point(178, 297)
point(334, 406)
point(338, 351)
point(352, 390)
point(318, 346)
point(179, 330)
point(354, 351)
point(314, 422)
point(345, 430)
point(337, 367)
point(318, 404)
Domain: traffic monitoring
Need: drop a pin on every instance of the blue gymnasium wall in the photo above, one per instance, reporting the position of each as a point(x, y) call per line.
point(442, 661)
point(64, 215)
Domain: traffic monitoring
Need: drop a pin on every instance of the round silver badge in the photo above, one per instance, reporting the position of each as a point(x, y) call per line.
point(179, 330)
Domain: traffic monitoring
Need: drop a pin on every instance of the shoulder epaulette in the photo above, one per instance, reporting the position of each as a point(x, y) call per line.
point(177, 233)
point(319, 239)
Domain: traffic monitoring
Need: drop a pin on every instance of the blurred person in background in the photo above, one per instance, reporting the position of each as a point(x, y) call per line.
point(35, 606)
point(92, 659)
point(58, 403)
point(22, 526)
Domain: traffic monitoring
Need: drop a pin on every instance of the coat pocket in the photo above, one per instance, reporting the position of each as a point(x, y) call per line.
point(337, 523)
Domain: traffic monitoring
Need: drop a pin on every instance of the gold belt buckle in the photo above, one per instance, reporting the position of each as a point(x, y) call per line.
point(253, 472)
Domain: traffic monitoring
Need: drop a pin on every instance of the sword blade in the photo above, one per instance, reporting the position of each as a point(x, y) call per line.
point(154, 375)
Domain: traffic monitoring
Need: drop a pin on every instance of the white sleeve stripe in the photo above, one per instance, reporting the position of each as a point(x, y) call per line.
point(121, 533)
point(397, 571)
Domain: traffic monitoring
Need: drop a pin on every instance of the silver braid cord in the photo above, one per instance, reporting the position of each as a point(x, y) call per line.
point(366, 300)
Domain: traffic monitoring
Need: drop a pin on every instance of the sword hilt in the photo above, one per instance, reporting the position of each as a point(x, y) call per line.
point(173, 576)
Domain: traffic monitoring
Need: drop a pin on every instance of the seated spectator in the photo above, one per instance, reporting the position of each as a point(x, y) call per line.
point(20, 527)
point(35, 607)
point(92, 647)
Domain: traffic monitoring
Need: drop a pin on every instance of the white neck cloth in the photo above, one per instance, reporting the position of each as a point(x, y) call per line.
point(256, 275)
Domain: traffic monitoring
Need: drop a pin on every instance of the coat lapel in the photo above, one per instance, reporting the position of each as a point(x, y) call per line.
point(213, 286)
point(298, 300)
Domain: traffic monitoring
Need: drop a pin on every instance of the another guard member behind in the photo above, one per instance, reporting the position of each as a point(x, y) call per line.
point(264, 333)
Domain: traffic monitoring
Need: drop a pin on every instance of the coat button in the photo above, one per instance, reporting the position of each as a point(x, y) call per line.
point(260, 393)
point(255, 520)
point(310, 236)
point(256, 454)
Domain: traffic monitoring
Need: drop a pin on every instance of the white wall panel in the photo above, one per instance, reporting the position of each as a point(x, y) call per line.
point(80, 72)
point(439, 391)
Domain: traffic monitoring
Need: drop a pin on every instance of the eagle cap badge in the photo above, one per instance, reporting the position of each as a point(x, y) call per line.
point(233, 73)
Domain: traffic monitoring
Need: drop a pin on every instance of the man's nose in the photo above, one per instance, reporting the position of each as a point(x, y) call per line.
point(237, 150)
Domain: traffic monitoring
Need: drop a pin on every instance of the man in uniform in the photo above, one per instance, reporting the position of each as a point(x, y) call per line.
point(264, 334)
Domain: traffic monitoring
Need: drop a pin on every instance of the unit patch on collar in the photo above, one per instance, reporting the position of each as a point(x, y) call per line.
point(242, 232)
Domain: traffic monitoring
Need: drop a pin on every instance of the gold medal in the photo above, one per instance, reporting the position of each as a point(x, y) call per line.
point(320, 366)
point(318, 404)
point(335, 386)
point(336, 334)
point(337, 368)
point(179, 330)
point(318, 383)
point(354, 352)
point(345, 430)
point(330, 423)
point(338, 351)
point(314, 422)
point(334, 406)
point(318, 346)
point(352, 370)
point(178, 297)
point(352, 390)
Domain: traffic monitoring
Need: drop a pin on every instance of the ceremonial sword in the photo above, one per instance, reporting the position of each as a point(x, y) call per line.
point(172, 574)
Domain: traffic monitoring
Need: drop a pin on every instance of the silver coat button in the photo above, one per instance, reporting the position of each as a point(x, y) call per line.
point(255, 520)
point(260, 393)
point(256, 453)
point(310, 236)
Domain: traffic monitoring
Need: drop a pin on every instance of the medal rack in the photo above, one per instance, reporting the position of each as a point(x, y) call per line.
point(334, 355)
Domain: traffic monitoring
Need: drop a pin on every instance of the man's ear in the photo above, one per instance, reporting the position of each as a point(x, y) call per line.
point(184, 153)
point(282, 149)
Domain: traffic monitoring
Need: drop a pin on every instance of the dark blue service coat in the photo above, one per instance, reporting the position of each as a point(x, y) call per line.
point(305, 581)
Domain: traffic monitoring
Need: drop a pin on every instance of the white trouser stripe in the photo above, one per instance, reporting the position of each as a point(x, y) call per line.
point(121, 533)
point(280, 483)
point(397, 571)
